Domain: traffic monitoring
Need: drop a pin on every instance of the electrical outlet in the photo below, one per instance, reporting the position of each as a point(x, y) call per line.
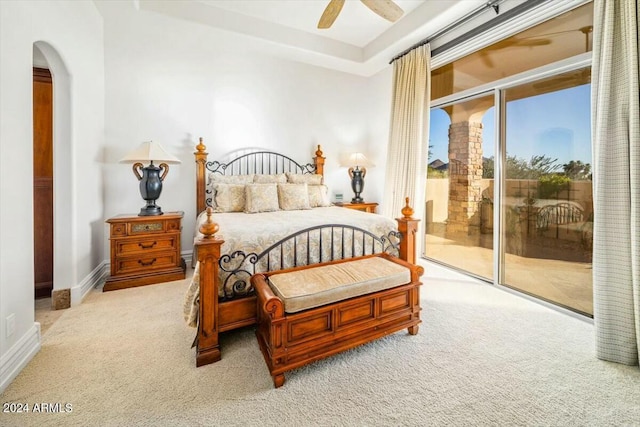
point(11, 324)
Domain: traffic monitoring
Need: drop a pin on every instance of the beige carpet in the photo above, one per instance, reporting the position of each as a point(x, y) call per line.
point(482, 357)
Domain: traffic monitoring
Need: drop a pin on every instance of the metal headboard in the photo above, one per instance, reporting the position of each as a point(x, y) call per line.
point(261, 163)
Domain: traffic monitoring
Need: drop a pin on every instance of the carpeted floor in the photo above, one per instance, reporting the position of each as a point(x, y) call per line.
point(482, 357)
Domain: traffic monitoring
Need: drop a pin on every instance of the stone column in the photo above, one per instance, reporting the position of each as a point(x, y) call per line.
point(465, 175)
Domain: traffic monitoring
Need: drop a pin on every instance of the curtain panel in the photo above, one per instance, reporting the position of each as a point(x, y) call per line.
point(408, 133)
point(616, 153)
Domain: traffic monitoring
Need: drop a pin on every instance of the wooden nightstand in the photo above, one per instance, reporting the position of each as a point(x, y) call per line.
point(366, 207)
point(145, 250)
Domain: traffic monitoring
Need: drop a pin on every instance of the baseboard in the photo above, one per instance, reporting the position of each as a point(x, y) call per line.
point(93, 279)
point(435, 270)
point(19, 355)
point(187, 256)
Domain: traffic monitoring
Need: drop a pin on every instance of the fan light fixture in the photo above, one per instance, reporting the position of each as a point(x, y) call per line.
point(150, 178)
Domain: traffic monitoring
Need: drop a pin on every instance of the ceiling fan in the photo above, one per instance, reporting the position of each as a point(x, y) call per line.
point(385, 8)
point(525, 42)
point(576, 77)
point(540, 40)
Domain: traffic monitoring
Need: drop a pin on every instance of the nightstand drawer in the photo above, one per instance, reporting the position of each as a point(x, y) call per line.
point(146, 227)
point(136, 264)
point(161, 243)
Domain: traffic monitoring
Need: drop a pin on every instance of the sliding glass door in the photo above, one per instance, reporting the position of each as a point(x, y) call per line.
point(509, 194)
point(547, 203)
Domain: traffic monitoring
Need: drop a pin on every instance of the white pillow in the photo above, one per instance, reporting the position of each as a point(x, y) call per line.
point(229, 197)
point(261, 198)
point(311, 179)
point(293, 197)
point(318, 196)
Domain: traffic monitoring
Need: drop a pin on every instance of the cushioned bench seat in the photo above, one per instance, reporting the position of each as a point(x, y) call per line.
point(308, 313)
point(313, 287)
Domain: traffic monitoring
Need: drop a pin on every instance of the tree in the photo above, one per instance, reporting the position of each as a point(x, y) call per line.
point(577, 171)
point(519, 168)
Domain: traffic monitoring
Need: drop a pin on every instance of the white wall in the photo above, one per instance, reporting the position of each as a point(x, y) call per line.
point(73, 30)
point(173, 81)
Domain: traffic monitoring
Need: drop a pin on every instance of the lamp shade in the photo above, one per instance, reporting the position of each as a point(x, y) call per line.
point(356, 159)
point(149, 151)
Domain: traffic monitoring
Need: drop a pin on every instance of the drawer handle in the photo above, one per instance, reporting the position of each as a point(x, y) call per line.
point(146, 264)
point(147, 246)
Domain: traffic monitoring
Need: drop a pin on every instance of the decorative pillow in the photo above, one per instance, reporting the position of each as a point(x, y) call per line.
point(293, 196)
point(229, 197)
point(318, 196)
point(269, 179)
point(261, 198)
point(216, 178)
point(311, 179)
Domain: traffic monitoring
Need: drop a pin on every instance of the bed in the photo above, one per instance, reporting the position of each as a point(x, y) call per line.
point(235, 240)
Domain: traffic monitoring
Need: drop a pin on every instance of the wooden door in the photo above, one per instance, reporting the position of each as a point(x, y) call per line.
point(43, 182)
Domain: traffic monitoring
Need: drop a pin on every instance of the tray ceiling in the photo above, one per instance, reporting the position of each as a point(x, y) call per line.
point(359, 42)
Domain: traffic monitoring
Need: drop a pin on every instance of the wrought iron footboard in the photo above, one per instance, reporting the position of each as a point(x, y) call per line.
point(312, 245)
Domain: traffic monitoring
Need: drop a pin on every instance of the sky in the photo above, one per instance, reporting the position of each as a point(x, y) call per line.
point(556, 124)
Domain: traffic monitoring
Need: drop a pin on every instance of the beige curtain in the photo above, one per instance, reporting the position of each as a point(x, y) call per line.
point(408, 133)
point(616, 141)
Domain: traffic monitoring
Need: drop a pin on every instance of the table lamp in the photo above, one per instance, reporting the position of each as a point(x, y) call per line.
point(357, 163)
point(149, 177)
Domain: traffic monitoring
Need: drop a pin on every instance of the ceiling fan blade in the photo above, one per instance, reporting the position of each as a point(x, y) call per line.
point(518, 43)
point(330, 14)
point(533, 42)
point(486, 60)
point(385, 8)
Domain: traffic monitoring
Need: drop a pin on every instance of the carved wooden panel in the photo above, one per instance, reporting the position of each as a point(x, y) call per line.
point(309, 327)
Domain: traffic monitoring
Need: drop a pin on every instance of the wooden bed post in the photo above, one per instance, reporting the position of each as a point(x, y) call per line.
point(407, 226)
point(319, 161)
point(201, 179)
point(208, 348)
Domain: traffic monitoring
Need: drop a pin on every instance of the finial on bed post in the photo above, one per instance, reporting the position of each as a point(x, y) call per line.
point(319, 161)
point(201, 147)
point(201, 181)
point(407, 211)
point(209, 228)
point(407, 226)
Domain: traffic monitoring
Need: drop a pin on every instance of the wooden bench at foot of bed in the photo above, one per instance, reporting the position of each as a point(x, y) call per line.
point(312, 312)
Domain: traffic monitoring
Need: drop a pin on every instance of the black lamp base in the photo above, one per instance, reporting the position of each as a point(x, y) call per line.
point(150, 210)
point(357, 183)
point(150, 186)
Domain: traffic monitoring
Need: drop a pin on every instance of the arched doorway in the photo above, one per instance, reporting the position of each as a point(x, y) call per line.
point(46, 56)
